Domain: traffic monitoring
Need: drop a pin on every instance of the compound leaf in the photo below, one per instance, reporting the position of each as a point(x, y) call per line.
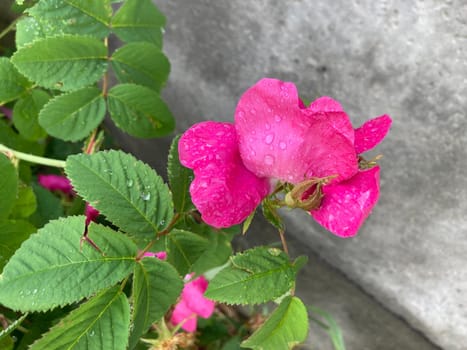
point(26, 115)
point(127, 191)
point(83, 17)
point(141, 63)
point(156, 287)
point(12, 234)
point(286, 327)
point(12, 83)
point(139, 111)
point(72, 116)
point(50, 269)
point(254, 276)
point(184, 249)
point(100, 323)
point(63, 62)
point(8, 186)
point(180, 179)
point(139, 20)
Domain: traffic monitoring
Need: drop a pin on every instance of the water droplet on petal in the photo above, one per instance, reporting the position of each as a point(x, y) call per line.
point(268, 126)
point(277, 118)
point(241, 114)
point(282, 145)
point(145, 196)
point(253, 111)
point(268, 159)
point(253, 153)
point(269, 138)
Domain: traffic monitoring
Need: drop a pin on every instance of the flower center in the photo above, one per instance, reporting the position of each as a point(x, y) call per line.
point(307, 194)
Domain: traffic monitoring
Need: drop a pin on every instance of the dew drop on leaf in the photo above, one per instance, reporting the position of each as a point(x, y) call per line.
point(129, 183)
point(145, 196)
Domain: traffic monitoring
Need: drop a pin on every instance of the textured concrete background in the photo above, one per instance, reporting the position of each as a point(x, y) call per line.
point(404, 58)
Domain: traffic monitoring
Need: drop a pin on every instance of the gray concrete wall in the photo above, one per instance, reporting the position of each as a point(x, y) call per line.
point(404, 58)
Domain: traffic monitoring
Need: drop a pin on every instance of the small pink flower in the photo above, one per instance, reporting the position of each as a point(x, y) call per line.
point(192, 304)
point(55, 183)
point(277, 138)
point(160, 255)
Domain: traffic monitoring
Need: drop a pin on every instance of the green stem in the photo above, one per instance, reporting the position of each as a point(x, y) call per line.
point(32, 158)
point(9, 28)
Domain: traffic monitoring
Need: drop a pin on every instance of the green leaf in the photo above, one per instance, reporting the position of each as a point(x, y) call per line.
point(127, 191)
point(25, 203)
point(26, 115)
point(8, 186)
point(332, 328)
point(100, 323)
point(286, 327)
point(15, 141)
point(139, 20)
point(141, 63)
point(49, 207)
point(184, 248)
point(139, 111)
point(63, 63)
point(29, 29)
point(12, 234)
point(217, 254)
point(50, 269)
point(156, 287)
point(73, 116)
point(254, 276)
point(12, 84)
point(180, 179)
point(83, 17)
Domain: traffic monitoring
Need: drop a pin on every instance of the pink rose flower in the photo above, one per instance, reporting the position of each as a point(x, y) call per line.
point(275, 137)
point(192, 304)
point(55, 183)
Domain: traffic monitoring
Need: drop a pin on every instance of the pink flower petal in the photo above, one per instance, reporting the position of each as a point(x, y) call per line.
point(159, 255)
point(347, 204)
point(371, 133)
point(182, 313)
point(193, 295)
point(55, 183)
point(278, 139)
point(224, 191)
point(341, 124)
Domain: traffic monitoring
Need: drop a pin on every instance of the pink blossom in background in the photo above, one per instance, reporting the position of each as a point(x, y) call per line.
point(276, 137)
point(55, 183)
point(160, 255)
point(192, 304)
point(6, 112)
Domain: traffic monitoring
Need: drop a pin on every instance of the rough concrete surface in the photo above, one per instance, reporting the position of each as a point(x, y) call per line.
point(404, 58)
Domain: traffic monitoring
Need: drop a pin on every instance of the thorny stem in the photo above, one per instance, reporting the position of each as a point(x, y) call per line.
point(284, 242)
point(10, 153)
